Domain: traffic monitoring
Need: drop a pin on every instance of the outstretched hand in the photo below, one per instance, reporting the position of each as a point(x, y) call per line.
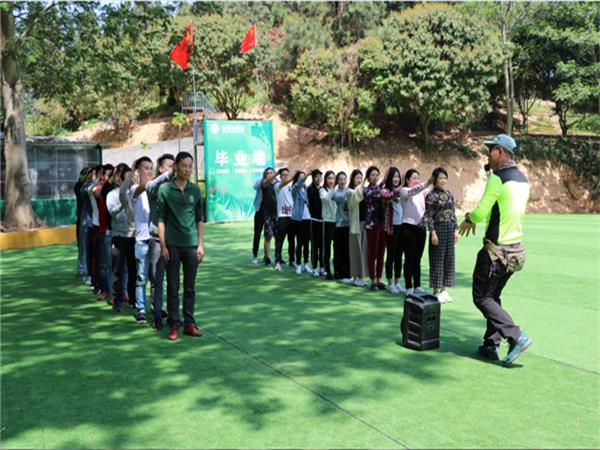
point(465, 228)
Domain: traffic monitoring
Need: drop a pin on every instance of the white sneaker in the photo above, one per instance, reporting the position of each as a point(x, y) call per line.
point(307, 268)
point(322, 272)
point(447, 297)
point(277, 267)
point(347, 280)
point(392, 289)
point(420, 291)
point(400, 288)
point(298, 269)
point(255, 261)
point(360, 282)
point(440, 297)
point(409, 291)
point(316, 273)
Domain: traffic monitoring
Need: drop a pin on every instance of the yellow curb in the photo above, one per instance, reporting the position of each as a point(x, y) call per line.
point(37, 238)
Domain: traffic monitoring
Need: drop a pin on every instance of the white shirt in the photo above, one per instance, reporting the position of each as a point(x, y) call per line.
point(285, 202)
point(120, 222)
point(141, 214)
point(95, 217)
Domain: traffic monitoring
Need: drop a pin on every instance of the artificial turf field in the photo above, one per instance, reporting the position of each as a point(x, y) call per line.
point(287, 361)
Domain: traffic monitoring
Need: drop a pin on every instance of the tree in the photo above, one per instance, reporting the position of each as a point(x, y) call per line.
point(18, 211)
point(223, 71)
point(98, 59)
point(506, 17)
point(328, 89)
point(352, 21)
point(179, 119)
point(439, 65)
point(562, 46)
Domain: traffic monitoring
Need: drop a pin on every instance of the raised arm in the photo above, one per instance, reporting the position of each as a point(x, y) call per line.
point(153, 185)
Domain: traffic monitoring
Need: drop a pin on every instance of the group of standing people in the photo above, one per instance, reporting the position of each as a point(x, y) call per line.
point(371, 222)
point(133, 225)
point(376, 222)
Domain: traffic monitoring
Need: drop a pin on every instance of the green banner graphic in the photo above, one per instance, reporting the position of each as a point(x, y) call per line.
point(236, 152)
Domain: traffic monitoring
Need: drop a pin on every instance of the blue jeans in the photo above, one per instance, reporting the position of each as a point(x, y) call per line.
point(157, 275)
point(105, 263)
point(142, 259)
point(82, 251)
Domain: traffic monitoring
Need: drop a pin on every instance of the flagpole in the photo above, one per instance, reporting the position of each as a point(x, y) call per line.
point(256, 54)
point(195, 126)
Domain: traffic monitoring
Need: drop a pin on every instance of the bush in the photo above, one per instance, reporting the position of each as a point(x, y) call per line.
point(581, 154)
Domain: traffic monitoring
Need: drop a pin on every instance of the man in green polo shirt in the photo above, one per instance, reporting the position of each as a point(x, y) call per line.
point(502, 207)
point(181, 234)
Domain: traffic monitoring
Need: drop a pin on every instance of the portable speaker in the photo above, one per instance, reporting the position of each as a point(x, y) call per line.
point(420, 325)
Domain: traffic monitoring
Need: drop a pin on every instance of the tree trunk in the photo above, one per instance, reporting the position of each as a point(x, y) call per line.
point(18, 212)
point(511, 99)
point(561, 111)
point(508, 78)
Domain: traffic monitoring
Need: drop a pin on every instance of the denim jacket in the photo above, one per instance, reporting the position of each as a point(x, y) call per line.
point(258, 197)
point(300, 199)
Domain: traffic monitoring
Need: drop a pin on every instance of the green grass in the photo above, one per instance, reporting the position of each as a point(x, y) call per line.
point(295, 362)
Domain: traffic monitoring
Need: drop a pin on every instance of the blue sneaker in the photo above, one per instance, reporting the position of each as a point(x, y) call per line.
point(489, 352)
point(517, 348)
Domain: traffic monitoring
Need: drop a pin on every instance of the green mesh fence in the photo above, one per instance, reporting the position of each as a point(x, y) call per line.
point(53, 212)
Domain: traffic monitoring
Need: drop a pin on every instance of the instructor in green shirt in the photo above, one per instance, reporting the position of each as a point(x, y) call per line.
point(502, 207)
point(181, 235)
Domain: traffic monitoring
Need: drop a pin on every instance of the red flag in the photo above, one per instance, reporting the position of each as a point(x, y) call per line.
point(182, 53)
point(249, 40)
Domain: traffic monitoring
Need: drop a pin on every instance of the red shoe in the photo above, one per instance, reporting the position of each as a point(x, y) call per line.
point(173, 334)
point(102, 296)
point(192, 330)
point(111, 301)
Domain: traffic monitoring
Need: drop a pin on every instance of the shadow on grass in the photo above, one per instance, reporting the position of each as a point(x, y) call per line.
point(68, 361)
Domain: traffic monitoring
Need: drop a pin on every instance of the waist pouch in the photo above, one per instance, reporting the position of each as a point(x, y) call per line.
point(512, 256)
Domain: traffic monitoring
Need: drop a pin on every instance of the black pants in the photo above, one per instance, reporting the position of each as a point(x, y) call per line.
point(413, 238)
point(328, 232)
point(187, 257)
point(395, 250)
point(316, 241)
point(301, 235)
point(259, 223)
point(489, 278)
point(284, 229)
point(341, 252)
point(125, 258)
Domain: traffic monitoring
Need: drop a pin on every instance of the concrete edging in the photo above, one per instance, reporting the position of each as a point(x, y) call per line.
point(37, 238)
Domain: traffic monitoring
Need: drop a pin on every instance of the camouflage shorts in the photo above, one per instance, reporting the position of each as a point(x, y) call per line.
point(270, 226)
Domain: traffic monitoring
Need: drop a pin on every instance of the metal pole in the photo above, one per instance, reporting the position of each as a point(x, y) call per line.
point(195, 126)
point(256, 54)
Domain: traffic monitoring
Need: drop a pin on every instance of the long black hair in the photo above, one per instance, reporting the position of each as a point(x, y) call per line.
point(370, 170)
point(409, 174)
point(339, 174)
point(353, 176)
point(297, 176)
point(329, 172)
point(389, 179)
point(266, 170)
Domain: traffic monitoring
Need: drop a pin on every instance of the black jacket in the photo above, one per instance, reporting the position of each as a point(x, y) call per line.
point(314, 202)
